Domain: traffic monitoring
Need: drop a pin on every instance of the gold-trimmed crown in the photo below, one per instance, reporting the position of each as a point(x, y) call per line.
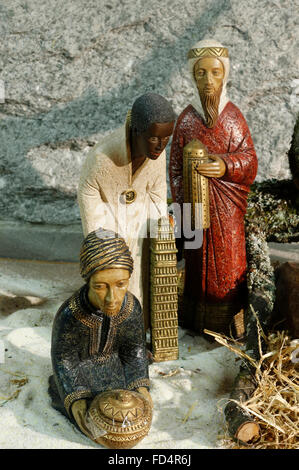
point(207, 52)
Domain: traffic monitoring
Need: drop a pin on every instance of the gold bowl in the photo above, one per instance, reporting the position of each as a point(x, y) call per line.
point(122, 417)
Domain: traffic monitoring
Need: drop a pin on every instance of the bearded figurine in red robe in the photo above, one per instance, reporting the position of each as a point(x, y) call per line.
point(215, 274)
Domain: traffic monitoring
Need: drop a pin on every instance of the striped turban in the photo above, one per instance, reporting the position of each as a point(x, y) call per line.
point(103, 249)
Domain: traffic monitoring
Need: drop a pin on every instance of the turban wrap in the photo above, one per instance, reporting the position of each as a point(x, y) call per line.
point(103, 249)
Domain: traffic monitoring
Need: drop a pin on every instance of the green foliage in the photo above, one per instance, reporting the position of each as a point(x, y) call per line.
point(273, 210)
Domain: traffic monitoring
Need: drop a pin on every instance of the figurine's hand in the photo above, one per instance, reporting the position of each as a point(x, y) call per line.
point(144, 391)
point(79, 410)
point(215, 169)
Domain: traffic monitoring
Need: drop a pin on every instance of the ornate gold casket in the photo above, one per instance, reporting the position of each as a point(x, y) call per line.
point(120, 418)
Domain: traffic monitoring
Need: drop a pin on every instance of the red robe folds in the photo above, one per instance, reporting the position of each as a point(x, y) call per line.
point(215, 274)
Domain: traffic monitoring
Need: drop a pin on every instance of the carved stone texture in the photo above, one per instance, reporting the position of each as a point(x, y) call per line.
point(56, 107)
point(164, 294)
point(287, 295)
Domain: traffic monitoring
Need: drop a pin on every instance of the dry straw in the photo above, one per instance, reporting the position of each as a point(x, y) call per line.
point(275, 401)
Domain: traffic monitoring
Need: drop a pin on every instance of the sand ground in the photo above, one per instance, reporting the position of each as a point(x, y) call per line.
point(188, 394)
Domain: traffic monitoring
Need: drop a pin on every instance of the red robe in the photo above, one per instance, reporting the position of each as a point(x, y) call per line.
point(215, 274)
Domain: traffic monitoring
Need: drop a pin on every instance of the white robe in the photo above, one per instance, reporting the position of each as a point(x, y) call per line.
point(105, 174)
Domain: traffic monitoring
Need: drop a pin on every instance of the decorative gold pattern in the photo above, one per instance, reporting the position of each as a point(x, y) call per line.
point(69, 399)
point(125, 312)
point(103, 249)
point(139, 383)
point(125, 416)
point(93, 320)
point(94, 323)
point(94, 340)
point(196, 186)
point(208, 52)
point(106, 353)
point(87, 319)
point(164, 297)
point(123, 439)
point(105, 420)
point(122, 407)
point(128, 196)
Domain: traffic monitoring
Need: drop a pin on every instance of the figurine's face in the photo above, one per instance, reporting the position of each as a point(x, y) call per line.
point(107, 289)
point(208, 74)
point(153, 141)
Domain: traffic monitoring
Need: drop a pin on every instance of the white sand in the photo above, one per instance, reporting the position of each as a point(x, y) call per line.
point(206, 371)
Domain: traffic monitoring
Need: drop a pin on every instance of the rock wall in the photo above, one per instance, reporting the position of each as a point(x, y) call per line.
point(70, 70)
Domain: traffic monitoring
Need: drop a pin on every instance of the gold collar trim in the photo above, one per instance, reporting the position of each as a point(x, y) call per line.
point(93, 321)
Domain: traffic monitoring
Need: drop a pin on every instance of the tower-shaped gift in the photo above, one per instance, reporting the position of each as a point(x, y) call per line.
point(196, 186)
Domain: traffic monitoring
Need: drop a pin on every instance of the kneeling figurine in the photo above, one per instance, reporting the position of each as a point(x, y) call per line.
point(100, 367)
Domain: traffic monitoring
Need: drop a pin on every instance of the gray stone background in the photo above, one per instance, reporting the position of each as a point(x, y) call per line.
point(70, 70)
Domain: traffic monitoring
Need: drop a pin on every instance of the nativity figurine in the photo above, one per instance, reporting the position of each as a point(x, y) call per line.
point(215, 274)
point(123, 183)
point(98, 345)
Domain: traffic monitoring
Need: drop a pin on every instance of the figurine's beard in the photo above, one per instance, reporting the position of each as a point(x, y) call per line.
point(210, 103)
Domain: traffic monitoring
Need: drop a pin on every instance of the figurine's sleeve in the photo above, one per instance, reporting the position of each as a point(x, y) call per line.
point(65, 350)
point(89, 195)
point(157, 190)
point(176, 163)
point(133, 351)
point(241, 160)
